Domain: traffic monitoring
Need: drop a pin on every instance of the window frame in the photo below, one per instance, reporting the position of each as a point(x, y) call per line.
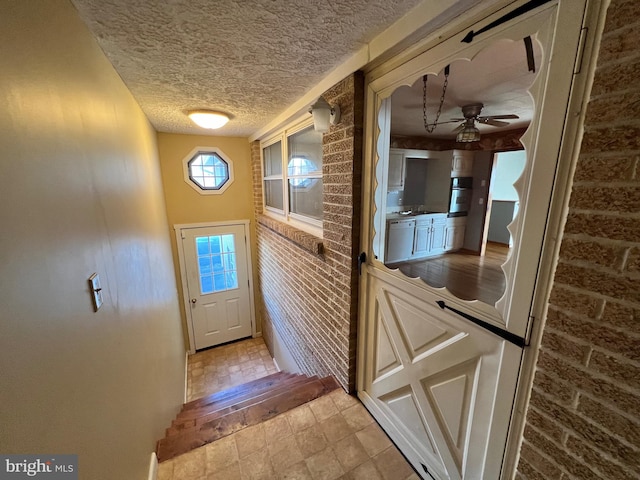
point(207, 151)
point(302, 222)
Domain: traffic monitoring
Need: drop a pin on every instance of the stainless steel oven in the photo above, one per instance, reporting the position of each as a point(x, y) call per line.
point(461, 189)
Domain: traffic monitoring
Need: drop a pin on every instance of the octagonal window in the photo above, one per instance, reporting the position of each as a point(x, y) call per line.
point(208, 171)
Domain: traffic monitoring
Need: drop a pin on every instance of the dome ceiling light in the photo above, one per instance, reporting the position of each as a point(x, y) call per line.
point(208, 118)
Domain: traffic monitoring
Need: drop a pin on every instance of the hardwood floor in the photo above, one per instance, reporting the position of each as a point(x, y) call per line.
point(467, 276)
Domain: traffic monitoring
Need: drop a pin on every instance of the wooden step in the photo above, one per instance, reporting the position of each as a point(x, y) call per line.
point(264, 408)
point(196, 416)
point(239, 390)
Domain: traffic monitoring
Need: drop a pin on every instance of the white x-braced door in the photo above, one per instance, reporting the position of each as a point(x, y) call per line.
point(437, 372)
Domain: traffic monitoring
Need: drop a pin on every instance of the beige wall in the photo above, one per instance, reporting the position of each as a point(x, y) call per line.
point(80, 193)
point(185, 205)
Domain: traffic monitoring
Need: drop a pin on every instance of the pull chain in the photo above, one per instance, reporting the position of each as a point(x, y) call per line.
point(427, 126)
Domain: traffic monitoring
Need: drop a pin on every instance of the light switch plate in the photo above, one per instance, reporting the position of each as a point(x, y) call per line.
point(96, 291)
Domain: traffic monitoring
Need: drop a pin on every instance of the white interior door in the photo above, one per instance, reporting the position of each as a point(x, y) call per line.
point(217, 278)
point(437, 372)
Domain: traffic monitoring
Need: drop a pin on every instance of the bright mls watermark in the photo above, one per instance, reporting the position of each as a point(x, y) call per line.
point(49, 467)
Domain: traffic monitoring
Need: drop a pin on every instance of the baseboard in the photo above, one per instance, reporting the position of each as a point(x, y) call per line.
point(275, 362)
point(186, 378)
point(153, 467)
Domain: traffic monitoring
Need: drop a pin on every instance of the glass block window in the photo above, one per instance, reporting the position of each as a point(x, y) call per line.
point(208, 170)
point(217, 268)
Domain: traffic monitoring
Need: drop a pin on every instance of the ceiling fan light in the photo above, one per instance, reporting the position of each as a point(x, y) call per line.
point(468, 134)
point(208, 119)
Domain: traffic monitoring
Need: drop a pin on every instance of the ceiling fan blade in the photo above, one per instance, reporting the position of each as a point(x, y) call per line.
point(457, 119)
point(510, 116)
point(494, 123)
point(458, 129)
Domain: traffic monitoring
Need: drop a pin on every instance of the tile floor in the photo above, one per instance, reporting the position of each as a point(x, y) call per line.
point(330, 438)
point(219, 368)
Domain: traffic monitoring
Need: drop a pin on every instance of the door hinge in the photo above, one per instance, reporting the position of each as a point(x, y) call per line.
point(182, 234)
point(362, 258)
point(581, 48)
point(527, 334)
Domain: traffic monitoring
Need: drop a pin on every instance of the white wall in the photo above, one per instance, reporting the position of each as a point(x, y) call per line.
point(507, 169)
point(81, 193)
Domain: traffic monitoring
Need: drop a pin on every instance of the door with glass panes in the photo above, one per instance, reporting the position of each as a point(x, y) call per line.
point(218, 283)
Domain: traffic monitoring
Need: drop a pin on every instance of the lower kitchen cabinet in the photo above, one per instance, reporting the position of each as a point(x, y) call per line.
point(429, 237)
point(454, 233)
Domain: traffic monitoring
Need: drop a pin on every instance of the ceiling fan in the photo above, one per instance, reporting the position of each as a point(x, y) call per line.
point(467, 131)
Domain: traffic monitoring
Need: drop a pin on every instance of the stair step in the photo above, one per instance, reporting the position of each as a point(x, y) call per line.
point(194, 423)
point(238, 390)
point(237, 419)
point(196, 416)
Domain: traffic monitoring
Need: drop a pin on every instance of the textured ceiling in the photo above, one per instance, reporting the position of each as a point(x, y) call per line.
point(498, 77)
point(248, 58)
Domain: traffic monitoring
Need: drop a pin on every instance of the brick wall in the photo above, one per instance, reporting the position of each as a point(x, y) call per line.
point(310, 299)
point(584, 418)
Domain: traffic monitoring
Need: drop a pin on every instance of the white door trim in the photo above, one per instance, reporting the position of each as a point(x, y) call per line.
point(178, 229)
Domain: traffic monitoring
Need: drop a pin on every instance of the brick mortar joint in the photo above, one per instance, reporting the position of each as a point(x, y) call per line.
point(586, 370)
point(594, 267)
point(602, 241)
point(546, 456)
point(584, 418)
point(614, 62)
point(605, 213)
point(597, 321)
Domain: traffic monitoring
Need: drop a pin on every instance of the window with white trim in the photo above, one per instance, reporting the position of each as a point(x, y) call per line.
point(207, 170)
point(293, 182)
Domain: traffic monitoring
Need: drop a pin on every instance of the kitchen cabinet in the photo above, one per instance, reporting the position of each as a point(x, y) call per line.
point(397, 167)
point(429, 237)
point(462, 163)
point(454, 233)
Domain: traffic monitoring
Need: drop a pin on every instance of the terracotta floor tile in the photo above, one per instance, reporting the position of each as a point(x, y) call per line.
point(357, 417)
point(232, 472)
point(335, 428)
point(276, 429)
point(301, 418)
point(366, 471)
point(343, 400)
point(324, 465)
point(373, 439)
point(323, 408)
point(190, 465)
point(257, 466)
point(250, 440)
point(284, 453)
point(298, 471)
point(392, 465)
point(221, 454)
point(350, 452)
point(165, 471)
point(311, 441)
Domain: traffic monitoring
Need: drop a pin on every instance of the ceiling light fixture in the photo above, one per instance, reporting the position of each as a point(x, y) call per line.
point(324, 115)
point(208, 118)
point(469, 133)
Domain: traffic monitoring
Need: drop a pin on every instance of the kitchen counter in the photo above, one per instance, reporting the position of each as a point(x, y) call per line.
point(397, 215)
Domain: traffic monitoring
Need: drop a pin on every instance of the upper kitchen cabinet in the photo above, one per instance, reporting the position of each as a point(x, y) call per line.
point(396, 170)
point(462, 164)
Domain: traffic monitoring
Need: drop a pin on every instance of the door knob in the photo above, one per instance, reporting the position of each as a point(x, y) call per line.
point(194, 300)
